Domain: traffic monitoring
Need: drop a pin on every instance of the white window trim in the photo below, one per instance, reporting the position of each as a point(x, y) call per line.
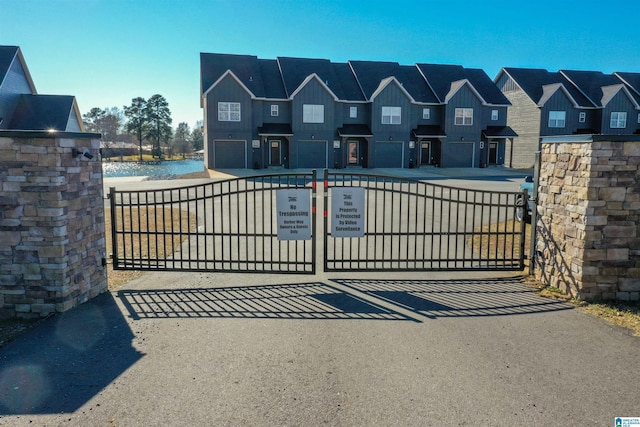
point(620, 121)
point(392, 114)
point(463, 117)
point(554, 122)
point(426, 113)
point(582, 117)
point(227, 113)
point(312, 113)
point(275, 110)
point(494, 115)
point(353, 112)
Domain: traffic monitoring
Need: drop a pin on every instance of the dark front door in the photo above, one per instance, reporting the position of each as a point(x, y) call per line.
point(425, 153)
point(275, 152)
point(493, 153)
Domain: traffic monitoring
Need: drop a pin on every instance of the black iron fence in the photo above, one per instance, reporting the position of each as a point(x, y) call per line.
point(398, 224)
point(267, 224)
point(229, 225)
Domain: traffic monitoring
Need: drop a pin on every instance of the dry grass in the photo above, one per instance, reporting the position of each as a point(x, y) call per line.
point(137, 219)
point(488, 245)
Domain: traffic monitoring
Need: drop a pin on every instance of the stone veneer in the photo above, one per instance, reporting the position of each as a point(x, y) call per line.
point(52, 241)
point(588, 228)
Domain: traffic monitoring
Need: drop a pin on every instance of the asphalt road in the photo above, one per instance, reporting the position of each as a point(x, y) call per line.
point(342, 349)
point(349, 350)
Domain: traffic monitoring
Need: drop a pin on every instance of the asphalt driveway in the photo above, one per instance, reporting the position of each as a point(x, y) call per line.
point(349, 350)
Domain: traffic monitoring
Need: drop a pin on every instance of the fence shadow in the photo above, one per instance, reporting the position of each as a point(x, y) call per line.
point(66, 360)
point(290, 301)
point(458, 298)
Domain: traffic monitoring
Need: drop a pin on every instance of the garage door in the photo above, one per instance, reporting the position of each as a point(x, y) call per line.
point(389, 154)
point(312, 154)
point(229, 154)
point(461, 155)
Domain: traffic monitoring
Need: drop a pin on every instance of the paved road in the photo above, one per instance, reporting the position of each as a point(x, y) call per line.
point(347, 350)
point(364, 349)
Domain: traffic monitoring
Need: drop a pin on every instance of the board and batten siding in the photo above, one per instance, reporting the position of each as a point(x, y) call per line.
point(15, 84)
point(559, 102)
point(462, 147)
point(619, 103)
point(228, 90)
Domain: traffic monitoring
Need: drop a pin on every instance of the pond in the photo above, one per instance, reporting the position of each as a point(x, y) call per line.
point(174, 167)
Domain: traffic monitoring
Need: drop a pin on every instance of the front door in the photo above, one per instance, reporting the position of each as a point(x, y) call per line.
point(425, 153)
point(275, 152)
point(353, 153)
point(493, 153)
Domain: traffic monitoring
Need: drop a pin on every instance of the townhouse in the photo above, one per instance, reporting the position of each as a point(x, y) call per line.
point(22, 108)
point(566, 102)
point(314, 113)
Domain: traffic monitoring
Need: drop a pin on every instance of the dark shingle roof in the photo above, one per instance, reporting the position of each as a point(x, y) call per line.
point(244, 67)
point(532, 80)
point(591, 83)
point(42, 112)
point(7, 53)
point(440, 77)
point(412, 80)
point(350, 86)
point(296, 70)
point(271, 79)
point(486, 87)
point(370, 74)
point(632, 81)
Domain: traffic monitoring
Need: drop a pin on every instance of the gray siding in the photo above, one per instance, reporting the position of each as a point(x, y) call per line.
point(457, 151)
point(391, 96)
point(559, 102)
point(284, 112)
point(228, 91)
point(619, 103)
point(364, 113)
point(15, 84)
point(313, 93)
point(524, 118)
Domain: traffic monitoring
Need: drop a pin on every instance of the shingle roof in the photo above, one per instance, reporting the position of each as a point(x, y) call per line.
point(486, 87)
point(532, 81)
point(632, 80)
point(350, 86)
point(244, 67)
point(296, 70)
point(42, 112)
point(271, 79)
point(591, 83)
point(440, 77)
point(7, 54)
point(370, 74)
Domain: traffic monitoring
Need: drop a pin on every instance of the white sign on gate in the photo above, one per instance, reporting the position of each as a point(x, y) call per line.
point(293, 207)
point(347, 212)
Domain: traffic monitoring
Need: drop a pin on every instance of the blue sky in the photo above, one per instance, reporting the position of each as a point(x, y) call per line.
point(106, 52)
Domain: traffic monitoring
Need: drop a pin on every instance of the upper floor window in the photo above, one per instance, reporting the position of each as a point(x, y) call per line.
point(464, 116)
point(353, 112)
point(426, 113)
point(494, 114)
point(229, 111)
point(312, 113)
point(557, 119)
point(274, 110)
point(582, 117)
point(391, 115)
point(618, 120)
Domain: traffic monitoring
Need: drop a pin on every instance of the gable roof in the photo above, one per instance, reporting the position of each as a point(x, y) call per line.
point(295, 71)
point(600, 88)
point(632, 81)
point(386, 82)
point(44, 112)
point(244, 67)
point(549, 90)
point(8, 56)
point(350, 86)
point(533, 80)
point(315, 77)
point(371, 73)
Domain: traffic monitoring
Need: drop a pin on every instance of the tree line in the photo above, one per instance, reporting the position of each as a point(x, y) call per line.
point(145, 120)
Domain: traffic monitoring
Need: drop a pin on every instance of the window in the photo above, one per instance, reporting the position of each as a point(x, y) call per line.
point(494, 114)
point(391, 115)
point(557, 119)
point(312, 113)
point(464, 116)
point(229, 111)
point(582, 117)
point(274, 110)
point(618, 120)
point(638, 117)
point(353, 112)
point(426, 113)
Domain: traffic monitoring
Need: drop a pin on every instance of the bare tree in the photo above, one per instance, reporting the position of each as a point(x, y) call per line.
point(181, 139)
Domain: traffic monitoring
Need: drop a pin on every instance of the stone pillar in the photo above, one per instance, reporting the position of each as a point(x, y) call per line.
point(52, 242)
point(588, 230)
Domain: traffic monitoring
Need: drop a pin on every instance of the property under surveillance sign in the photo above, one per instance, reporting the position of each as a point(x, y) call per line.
point(294, 214)
point(347, 212)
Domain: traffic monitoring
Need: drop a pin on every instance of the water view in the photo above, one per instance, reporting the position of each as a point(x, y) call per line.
point(174, 167)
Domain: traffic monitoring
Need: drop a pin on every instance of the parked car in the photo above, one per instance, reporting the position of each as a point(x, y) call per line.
point(521, 213)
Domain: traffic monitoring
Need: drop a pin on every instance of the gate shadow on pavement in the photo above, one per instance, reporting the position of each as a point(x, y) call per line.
point(291, 301)
point(66, 360)
point(458, 298)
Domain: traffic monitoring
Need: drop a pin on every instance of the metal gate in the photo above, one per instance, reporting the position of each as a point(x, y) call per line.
point(412, 225)
point(220, 226)
point(392, 224)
